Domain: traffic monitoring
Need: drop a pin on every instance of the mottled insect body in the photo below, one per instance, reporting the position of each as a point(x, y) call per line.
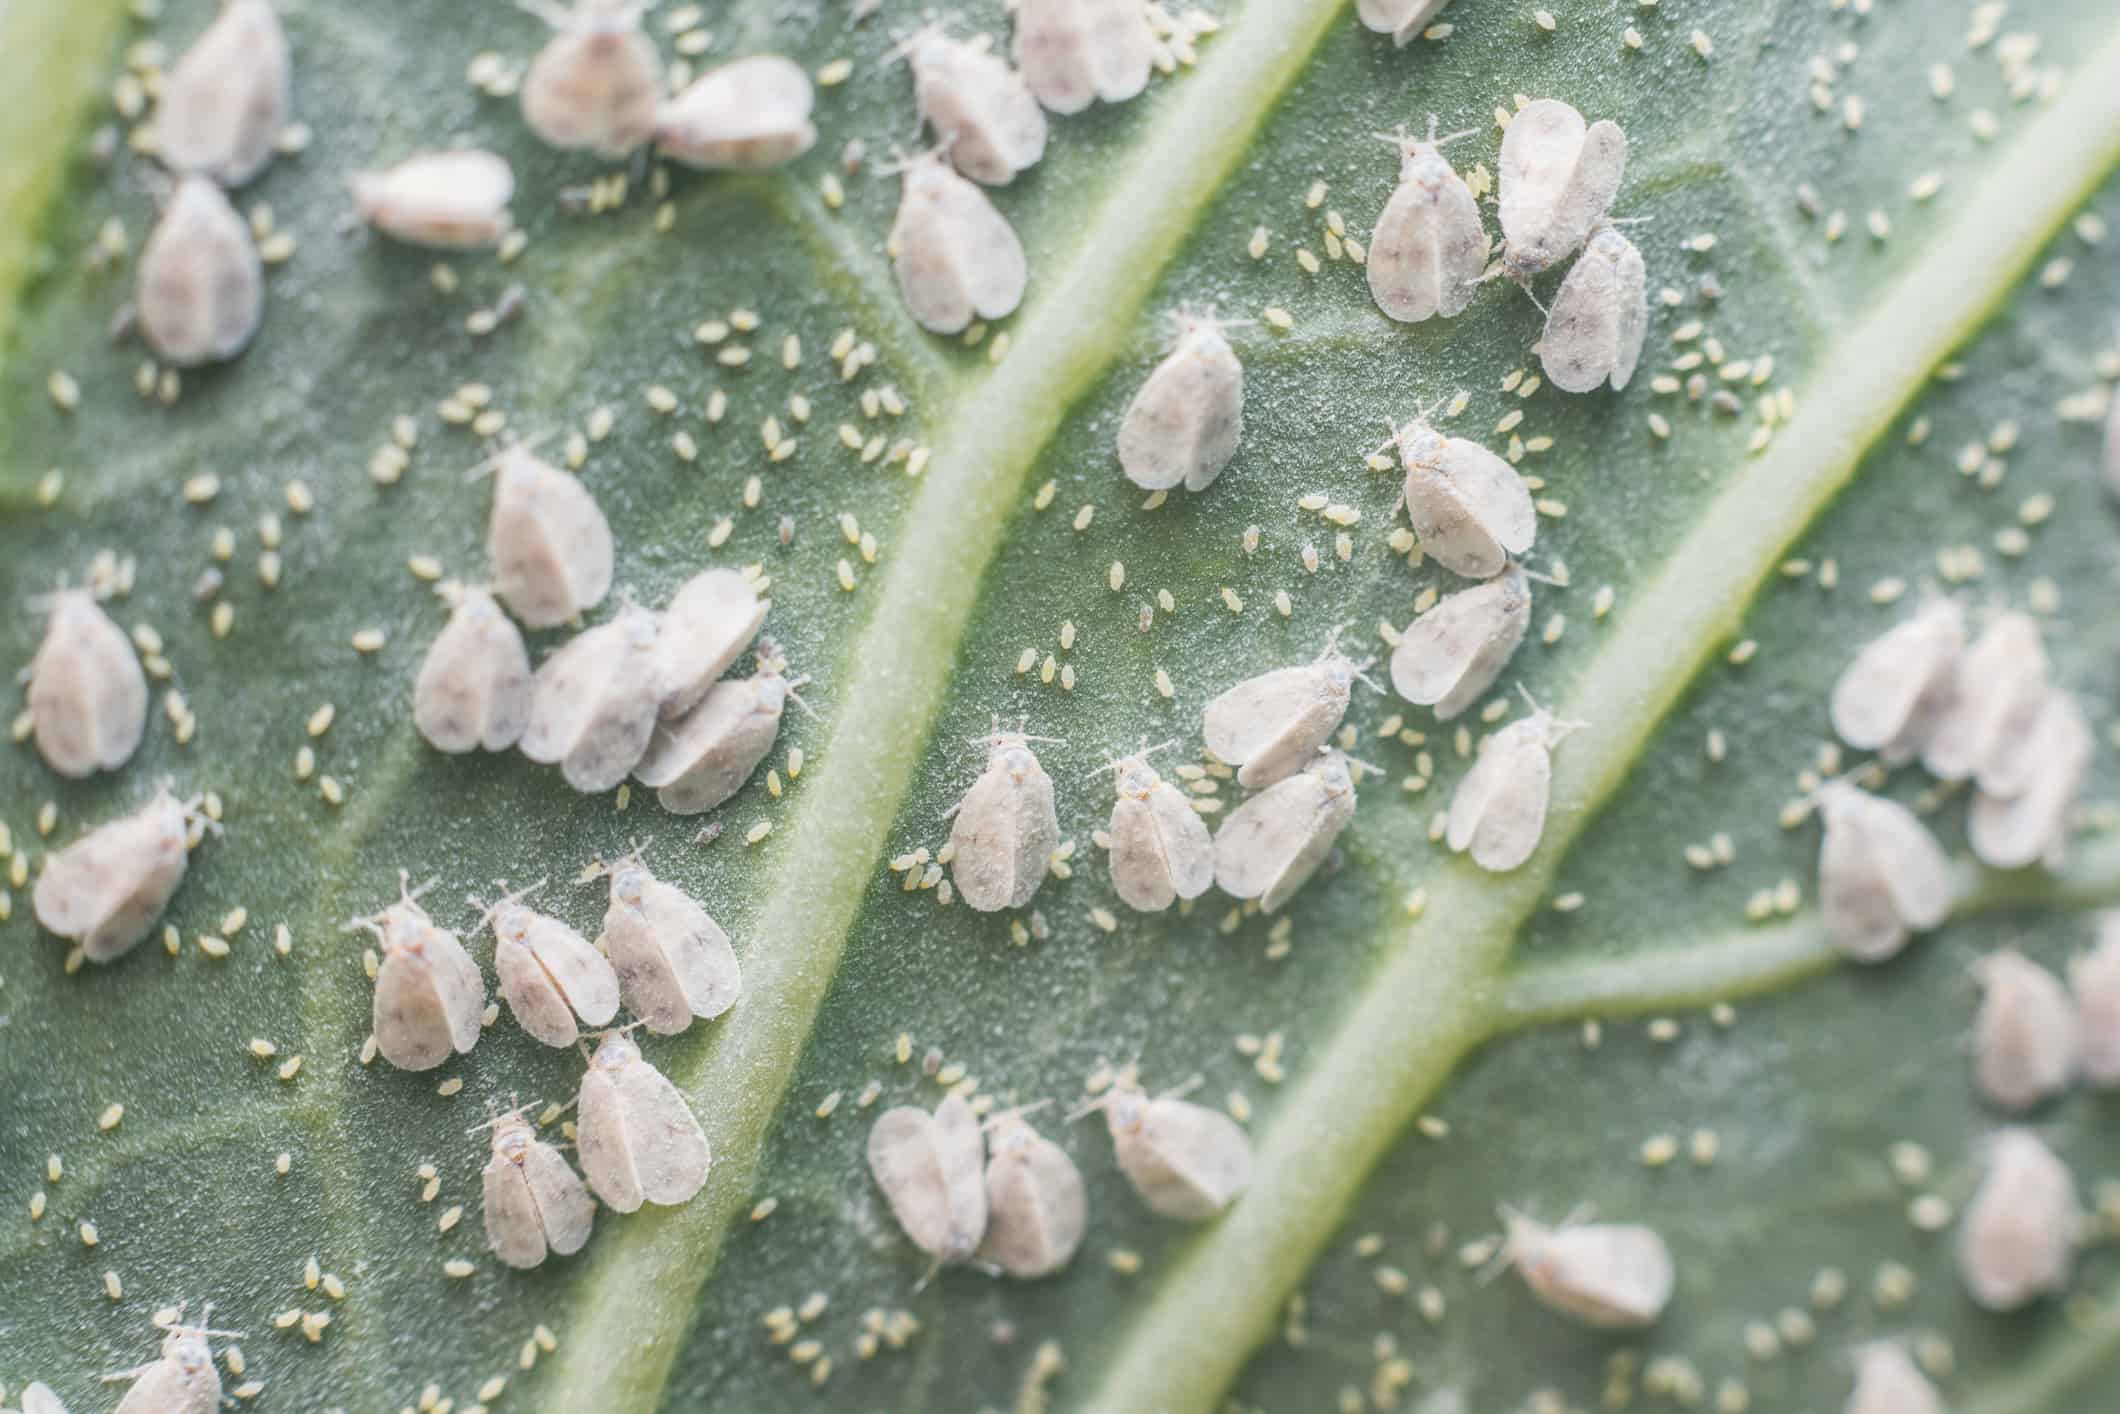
point(752, 113)
point(1403, 20)
point(105, 890)
point(637, 1138)
point(1273, 725)
point(956, 257)
point(1882, 876)
point(549, 974)
point(1429, 248)
point(534, 1202)
point(928, 1166)
point(1276, 840)
point(592, 705)
point(223, 105)
point(710, 621)
point(673, 960)
point(550, 543)
point(1006, 828)
point(1453, 653)
point(2032, 827)
point(454, 200)
point(473, 691)
point(182, 1381)
point(1036, 1207)
point(1075, 52)
point(1984, 727)
point(1594, 331)
point(429, 994)
point(1557, 179)
point(704, 757)
point(1887, 699)
point(982, 111)
point(87, 694)
point(1888, 1382)
point(1160, 848)
point(2094, 979)
point(202, 287)
point(1498, 811)
point(1469, 509)
point(597, 82)
point(1184, 424)
point(1185, 1160)
point(1614, 1276)
point(2026, 1043)
point(2018, 1238)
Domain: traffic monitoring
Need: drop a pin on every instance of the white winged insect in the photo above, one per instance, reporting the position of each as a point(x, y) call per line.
point(474, 686)
point(1453, 653)
point(429, 994)
point(1998, 688)
point(1401, 19)
point(1614, 1276)
point(1160, 848)
point(1887, 699)
point(2031, 827)
point(637, 1138)
point(1469, 509)
point(1184, 423)
point(1005, 828)
point(1185, 1161)
point(2026, 1040)
point(1498, 811)
point(1888, 1382)
point(87, 693)
point(956, 257)
point(752, 113)
point(1429, 247)
point(673, 960)
point(704, 757)
point(2094, 980)
point(202, 286)
point(1036, 1207)
point(453, 200)
point(549, 974)
point(1276, 840)
point(2017, 1240)
point(222, 105)
point(1272, 726)
point(1557, 179)
point(38, 1398)
point(182, 1381)
point(597, 82)
point(105, 890)
point(982, 111)
point(592, 707)
point(534, 1202)
point(550, 543)
point(710, 621)
point(1074, 52)
point(1882, 877)
point(1594, 331)
point(928, 1166)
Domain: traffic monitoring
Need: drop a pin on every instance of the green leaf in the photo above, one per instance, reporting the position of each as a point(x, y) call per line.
point(1400, 985)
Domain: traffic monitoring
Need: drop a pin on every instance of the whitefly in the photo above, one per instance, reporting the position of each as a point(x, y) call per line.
point(597, 82)
point(1470, 511)
point(982, 110)
point(1185, 422)
point(453, 200)
point(955, 255)
point(1558, 176)
point(1448, 657)
point(87, 693)
point(1428, 250)
point(750, 114)
point(1076, 52)
point(1272, 843)
point(202, 288)
point(1005, 828)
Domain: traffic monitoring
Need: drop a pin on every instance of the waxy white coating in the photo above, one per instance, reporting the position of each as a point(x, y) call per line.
point(1888, 1382)
point(1984, 727)
point(454, 200)
point(1594, 331)
point(2018, 1238)
point(550, 975)
point(1453, 653)
point(592, 705)
point(1887, 697)
point(430, 997)
point(704, 757)
point(1185, 1160)
point(982, 111)
point(473, 691)
point(1184, 424)
point(1272, 726)
point(534, 1203)
point(1074, 52)
point(1006, 828)
point(1160, 849)
point(182, 1381)
point(637, 1138)
point(2094, 980)
point(1469, 509)
point(1498, 811)
point(1429, 248)
point(2025, 1038)
point(1557, 179)
point(711, 620)
point(202, 287)
point(1036, 1207)
point(2032, 827)
point(752, 113)
point(1403, 20)
point(928, 1166)
point(597, 82)
point(673, 960)
point(956, 257)
point(106, 889)
point(1614, 1276)
point(1276, 840)
point(87, 693)
point(1882, 877)
point(550, 543)
point(222, 106)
